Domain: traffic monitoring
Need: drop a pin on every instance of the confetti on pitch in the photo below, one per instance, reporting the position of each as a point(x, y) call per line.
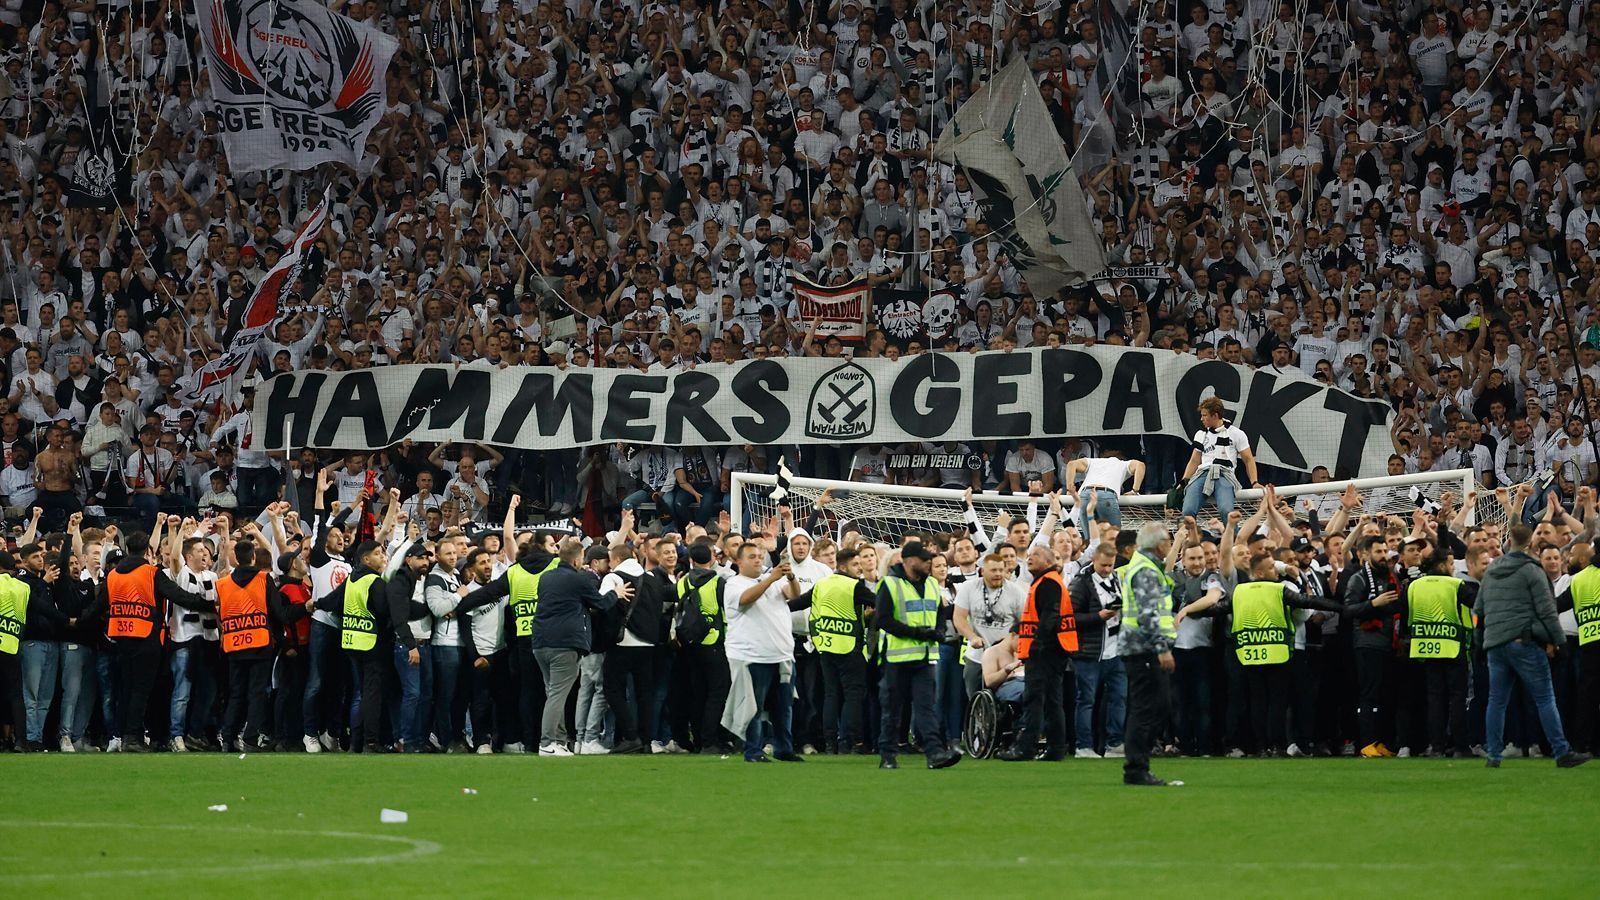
point(393, 817)
point(218, 807)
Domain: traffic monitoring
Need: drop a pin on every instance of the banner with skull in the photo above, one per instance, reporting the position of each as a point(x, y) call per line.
point(294, 85)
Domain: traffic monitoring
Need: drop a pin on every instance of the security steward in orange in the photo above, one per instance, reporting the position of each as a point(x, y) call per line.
point(1047, 635)
point(250, 611)
point(132, 601)
point(365, 635)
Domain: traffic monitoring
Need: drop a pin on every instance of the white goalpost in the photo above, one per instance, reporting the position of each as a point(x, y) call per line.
point(884, 512)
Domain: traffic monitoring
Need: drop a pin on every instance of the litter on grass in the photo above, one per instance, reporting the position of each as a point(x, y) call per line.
point(469, 790)
point(218, 807)
point(392, 817)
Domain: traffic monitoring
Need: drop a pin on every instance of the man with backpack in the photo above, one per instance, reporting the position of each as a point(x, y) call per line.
point(701, 631)
point(633, 659)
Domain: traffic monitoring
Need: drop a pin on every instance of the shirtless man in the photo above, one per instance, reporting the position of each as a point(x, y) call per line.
point(56, 476)
point(1003, 673)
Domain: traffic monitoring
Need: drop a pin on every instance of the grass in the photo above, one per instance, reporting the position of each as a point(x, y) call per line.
point(699, 826)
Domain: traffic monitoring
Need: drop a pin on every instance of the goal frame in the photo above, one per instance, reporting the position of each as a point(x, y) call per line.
point(1461, 479)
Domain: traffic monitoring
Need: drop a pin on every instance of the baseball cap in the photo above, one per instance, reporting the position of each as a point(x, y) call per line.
point(419, 551)
point(1300, 544)
point(915, 550)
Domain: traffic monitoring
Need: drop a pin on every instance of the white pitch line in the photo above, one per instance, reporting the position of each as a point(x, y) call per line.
point(416, 848)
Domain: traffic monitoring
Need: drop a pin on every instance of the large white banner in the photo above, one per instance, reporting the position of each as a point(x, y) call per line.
point(1022, 176)
point(294, 84)
point(925, 397)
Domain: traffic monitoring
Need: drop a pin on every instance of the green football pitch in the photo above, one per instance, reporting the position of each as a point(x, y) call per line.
point(701, 826)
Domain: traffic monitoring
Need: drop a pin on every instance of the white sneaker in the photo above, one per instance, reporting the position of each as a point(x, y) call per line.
point(767, 749)
point(176, 745)
point(514, 748)
point(484, 749)
point(67, 745)
point(555, 750)
point(808, 750)
point(1405, 753)
point(114, 745)
point(657, 747)
point(595, 748)
point(1236, 753)
point(675, 747)
point(1294, 750)
point(312, 745)
point(1086, 753)
point(1532, 751)
point(1479, 752)
point(1113, 751)
point(329, 742)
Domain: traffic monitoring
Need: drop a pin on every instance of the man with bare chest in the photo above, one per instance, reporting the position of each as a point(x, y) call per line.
point(56, 475)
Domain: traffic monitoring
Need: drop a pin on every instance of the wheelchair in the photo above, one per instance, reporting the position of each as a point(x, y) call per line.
point(991, 724)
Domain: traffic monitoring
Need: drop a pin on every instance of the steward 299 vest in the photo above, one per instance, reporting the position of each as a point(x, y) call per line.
point(1438, 625)
point(1262, 634)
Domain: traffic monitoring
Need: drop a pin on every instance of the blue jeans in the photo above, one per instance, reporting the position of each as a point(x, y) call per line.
point(178, 663)
point(77, 689)
point(1194, 496)
point(1525, 662)
point(41, 661)
point(952, 692)
point(449, 700)
point(1090, 676)
point(1107, 509)
point(686, 509)
point(108, 673)
point(325, 660)
point(416, 690)
point(590, 717)
point(776, 699)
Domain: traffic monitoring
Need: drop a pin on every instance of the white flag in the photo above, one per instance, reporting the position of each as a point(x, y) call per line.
point(294, 84)
point(1022, 176)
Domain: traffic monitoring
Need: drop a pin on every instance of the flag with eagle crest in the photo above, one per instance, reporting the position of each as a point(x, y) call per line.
point(294, 84)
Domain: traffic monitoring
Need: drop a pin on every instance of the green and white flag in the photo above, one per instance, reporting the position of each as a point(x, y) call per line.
point(1021, 173)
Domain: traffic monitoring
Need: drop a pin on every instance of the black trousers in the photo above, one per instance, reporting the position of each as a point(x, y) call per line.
point(1586, 718)
point(140, 662)
point(1148, 703)
point(494, 701)
point(11, 695)
point(248, 682)
point(1372, 677)
point(1192, 682)
point(635, 666)
point(1043, 701)
point(1446, 686)
point(375, 666)
point(1305, 667)
point(529, 681)
point(1269, 703)
point(810, 696)
point(288, 701)
point(708, 694)
point(844, 689)
point(914, 682)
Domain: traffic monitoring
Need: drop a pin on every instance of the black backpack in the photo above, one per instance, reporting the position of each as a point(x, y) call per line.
point(691, 623)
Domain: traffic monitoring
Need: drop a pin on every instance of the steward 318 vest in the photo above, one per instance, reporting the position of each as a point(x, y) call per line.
point(1262, 634)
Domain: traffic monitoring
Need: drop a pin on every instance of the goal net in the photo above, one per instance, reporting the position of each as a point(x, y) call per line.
point(886, 512)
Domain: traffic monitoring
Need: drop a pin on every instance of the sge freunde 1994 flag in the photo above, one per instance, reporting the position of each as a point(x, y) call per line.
point(294, 84)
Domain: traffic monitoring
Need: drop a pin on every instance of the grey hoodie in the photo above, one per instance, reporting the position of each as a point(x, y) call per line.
point(1515, 600)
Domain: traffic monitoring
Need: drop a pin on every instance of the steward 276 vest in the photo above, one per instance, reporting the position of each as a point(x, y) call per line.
point(243, 614)
point(1262, 634)
point(916, 611)
point(13, 613)
point(835, 623)
point(358, 629)
point(1438, 625)
point(710, 607)
point(1586, 604)
point(524, 596)
point(1028, 625)
point(133, 603)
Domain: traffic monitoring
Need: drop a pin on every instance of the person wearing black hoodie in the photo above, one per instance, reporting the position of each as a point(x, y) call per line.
point(707, 659)
point(25, 608)
point(520, 586)
point(130, 604)
point(366, 637)
point(252, 616)
point(73, 596)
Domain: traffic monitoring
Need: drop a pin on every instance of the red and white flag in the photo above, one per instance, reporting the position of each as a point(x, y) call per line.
point(843, 308)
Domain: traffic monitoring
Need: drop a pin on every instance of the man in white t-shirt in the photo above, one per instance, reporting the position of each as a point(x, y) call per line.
point(986, 610)
point(761, 653)
point(1027, 464)
point(1219, 448)
point(1103, 480)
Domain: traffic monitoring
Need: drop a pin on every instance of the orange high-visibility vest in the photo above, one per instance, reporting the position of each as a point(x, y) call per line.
point(243, 614)
point(132, 596)
point(1028, 625)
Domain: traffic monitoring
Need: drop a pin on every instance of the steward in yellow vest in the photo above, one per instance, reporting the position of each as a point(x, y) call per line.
point(366, 635)
point(20, 601)
point(838, 627)
point(1438, 624)
point(906, 610)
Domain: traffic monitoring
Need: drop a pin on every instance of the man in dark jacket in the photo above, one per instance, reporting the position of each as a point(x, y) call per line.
point(20, 621)
point(250, 669)
point(1521, 632)
point(367, 638)
point(1040, 635)
point(1367, 596)
point(561, 636)
point(1096, 601)
point(906, 613)
point(413, 658)
point(705, 660)
point(520, 585)
point(633, 659)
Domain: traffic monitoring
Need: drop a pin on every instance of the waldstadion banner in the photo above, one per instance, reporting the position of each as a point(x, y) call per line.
point(927, 397)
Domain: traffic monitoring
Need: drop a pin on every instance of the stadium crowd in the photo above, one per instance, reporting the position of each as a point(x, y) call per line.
point(1399, 200)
